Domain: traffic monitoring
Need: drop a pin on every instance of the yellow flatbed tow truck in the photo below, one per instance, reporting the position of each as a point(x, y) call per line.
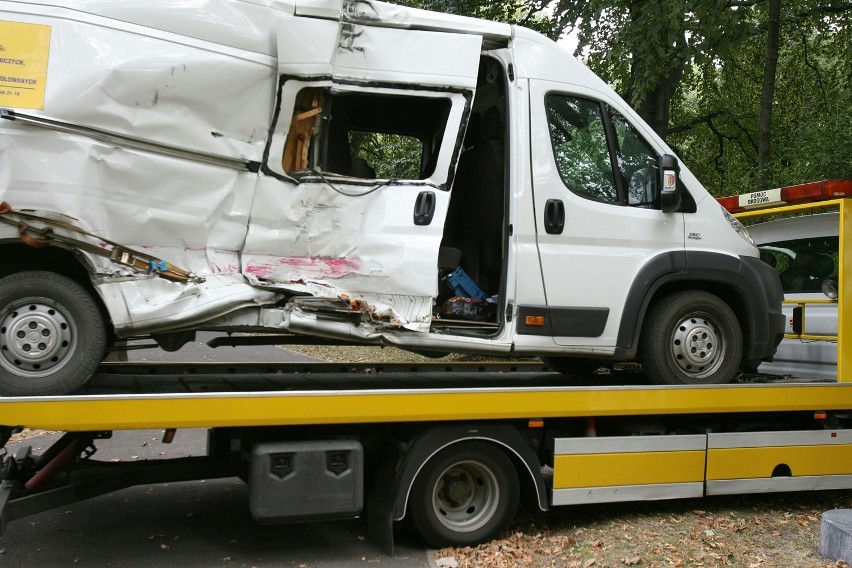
point(454, 446)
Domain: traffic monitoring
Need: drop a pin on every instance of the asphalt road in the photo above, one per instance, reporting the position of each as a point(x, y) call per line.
point(187, 524)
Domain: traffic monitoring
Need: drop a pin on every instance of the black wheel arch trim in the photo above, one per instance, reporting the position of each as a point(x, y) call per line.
point(424, 447)
point(755, 283)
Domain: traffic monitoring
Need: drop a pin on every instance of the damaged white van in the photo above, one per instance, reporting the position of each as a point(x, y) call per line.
point(347, 170)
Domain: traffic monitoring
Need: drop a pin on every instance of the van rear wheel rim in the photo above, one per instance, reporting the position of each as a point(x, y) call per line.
point(36, 337)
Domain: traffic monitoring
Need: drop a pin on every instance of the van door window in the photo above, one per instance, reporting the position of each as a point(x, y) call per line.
point(599, 154)
point(637, 162)
point(365, 135)
point(580, 147)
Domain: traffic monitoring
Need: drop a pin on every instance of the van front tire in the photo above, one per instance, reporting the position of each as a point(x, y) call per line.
point(691, 338)
point(52, 334)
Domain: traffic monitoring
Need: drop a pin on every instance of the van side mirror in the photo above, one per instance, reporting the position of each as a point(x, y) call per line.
point(671, 194)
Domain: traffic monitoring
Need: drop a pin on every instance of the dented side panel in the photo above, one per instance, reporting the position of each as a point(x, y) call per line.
point(252, 238)
point(313, 237)
point(154, 85)
point(160, 88)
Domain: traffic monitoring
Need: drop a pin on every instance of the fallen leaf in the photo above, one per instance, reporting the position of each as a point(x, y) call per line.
point(633, 561)
point(590, 562)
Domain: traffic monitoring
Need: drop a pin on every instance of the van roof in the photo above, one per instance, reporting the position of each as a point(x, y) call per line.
point(251, 24)
point(376, 13)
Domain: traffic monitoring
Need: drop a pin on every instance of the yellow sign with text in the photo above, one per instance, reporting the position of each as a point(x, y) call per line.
point(24, 51)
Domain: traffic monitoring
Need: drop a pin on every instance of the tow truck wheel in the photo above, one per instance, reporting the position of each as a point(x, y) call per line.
point(464, 495)
point(691, 338)
point(52, 334)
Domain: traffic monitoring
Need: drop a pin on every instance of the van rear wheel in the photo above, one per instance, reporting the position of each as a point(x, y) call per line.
point(691, 338)
point(52, 334)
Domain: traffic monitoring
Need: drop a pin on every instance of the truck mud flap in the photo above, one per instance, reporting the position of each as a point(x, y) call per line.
point(5, 495)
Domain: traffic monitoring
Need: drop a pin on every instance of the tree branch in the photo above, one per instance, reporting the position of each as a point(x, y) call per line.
point(706, 118)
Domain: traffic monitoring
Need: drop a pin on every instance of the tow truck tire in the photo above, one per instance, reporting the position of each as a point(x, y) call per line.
point(691, 338)
point(52, 334)
point(464, 495)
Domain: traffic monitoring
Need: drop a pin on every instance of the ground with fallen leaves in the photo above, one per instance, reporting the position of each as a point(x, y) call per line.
point(755, 531)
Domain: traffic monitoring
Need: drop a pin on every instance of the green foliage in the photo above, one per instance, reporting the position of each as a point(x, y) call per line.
point(812, 110)
point(530, 13)
point(639, 45)
point(694, 70)
point(392, 156)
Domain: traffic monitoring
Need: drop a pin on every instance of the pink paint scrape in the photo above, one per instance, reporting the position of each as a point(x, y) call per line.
point(312, 266)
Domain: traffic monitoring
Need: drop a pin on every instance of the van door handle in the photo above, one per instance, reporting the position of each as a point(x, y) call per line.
point(554, 216)
point(424, 208)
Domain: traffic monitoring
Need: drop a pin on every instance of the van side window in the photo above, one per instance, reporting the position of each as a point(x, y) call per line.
point(637, 162)
point(365, 135)
point(580, 147)
point(599, 154)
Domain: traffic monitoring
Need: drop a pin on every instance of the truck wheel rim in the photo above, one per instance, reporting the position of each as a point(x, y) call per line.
point(697, 347)
point(466, 497)
point(36, 337)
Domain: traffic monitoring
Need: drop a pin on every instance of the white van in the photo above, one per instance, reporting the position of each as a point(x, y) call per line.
point(347, 170)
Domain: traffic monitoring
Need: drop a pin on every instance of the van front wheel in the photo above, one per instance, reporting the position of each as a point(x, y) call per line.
point(691, 338)
point(52, 334)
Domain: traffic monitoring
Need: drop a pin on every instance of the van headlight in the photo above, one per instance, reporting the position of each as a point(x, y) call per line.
point(738, 227)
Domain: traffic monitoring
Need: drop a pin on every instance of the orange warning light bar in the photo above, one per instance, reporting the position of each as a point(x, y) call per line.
point(806, 192)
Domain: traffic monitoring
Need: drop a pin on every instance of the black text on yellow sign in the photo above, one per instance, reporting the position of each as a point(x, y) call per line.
point(24, 53)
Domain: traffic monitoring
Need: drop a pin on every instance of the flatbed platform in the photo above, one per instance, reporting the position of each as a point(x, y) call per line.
point(138, 396)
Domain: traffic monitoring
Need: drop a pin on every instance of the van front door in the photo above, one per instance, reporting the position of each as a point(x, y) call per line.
point(598, 220)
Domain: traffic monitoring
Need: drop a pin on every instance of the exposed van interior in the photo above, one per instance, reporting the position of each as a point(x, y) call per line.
point(474, 232)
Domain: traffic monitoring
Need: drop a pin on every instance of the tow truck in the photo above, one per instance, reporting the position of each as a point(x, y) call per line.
point(453, 446)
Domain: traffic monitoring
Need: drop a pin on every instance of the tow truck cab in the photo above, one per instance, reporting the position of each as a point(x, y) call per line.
point(348, 171)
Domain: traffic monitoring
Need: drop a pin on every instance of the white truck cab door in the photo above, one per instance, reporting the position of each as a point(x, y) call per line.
point(359, 165)
point(597, 220)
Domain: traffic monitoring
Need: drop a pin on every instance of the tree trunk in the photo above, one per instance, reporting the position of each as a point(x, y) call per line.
point(656, 105)
point(764, 143)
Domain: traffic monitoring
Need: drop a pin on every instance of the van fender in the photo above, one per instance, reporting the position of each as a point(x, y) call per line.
point(753, 282)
